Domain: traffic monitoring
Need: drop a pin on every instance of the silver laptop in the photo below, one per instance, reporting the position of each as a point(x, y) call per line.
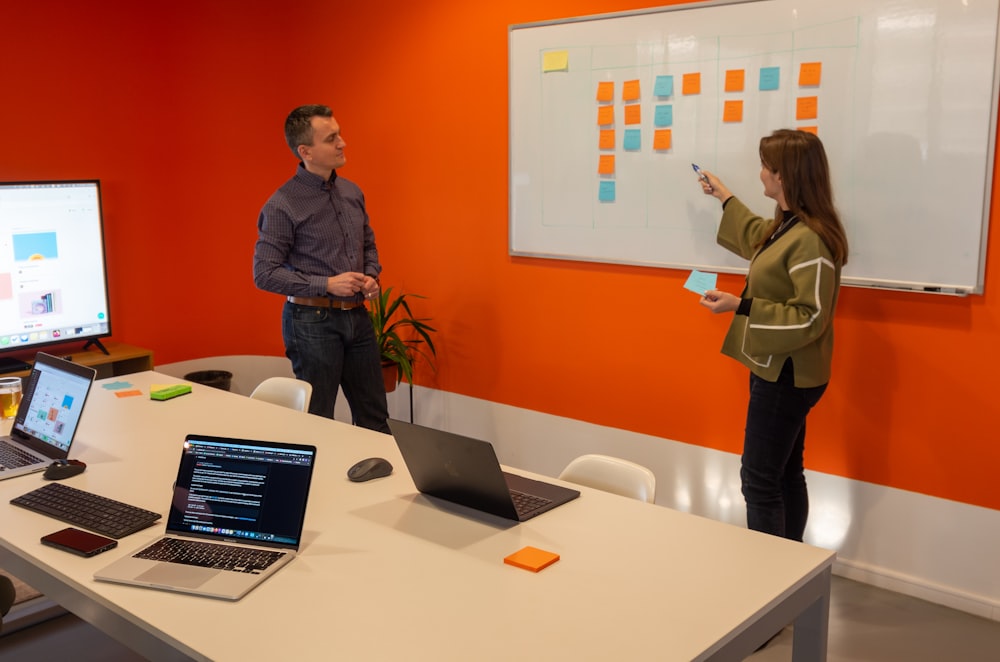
point(466, 471)
point(52, 400)
point(236, 518)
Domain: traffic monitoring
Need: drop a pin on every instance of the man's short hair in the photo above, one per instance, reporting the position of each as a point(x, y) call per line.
point(298, 125)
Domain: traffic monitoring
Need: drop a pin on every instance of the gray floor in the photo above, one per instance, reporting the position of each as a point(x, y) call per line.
point(867, 624)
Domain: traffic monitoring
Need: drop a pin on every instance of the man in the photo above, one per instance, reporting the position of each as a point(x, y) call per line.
point(316, 247)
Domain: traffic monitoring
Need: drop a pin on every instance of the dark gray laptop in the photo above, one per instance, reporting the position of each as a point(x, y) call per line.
point(466, 471)
point(236, 518)
point(52, 400)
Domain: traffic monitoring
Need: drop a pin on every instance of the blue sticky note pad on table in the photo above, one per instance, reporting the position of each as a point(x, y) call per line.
point(700, 282)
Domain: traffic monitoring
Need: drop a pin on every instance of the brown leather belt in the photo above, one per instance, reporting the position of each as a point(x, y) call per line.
point(326, 302)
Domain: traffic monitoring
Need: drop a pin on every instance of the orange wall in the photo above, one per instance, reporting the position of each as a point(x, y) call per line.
point(178, 109)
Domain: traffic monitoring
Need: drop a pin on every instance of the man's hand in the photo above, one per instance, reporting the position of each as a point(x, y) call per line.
point(346, 284)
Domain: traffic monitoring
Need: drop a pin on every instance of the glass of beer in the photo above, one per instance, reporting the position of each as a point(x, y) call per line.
point(10, 396)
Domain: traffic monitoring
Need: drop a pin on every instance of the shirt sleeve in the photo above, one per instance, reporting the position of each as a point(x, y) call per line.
point(271, 272)
point(740, 229)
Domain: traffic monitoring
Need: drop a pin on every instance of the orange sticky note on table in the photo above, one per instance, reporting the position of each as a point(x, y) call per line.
point(127, 394)
point(606, 140)
point(734, 80)
point(810, 73)
point(630, 90)
point(633, 114)
point(606, 91)
point(691, 83)
point(606, 164)
point(732, 111)
point(662, 139)
point(531, 558)
point(806, 108)
point(606, 115)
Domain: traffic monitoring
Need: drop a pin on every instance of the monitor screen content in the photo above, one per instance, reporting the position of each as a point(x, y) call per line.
point(53, 282)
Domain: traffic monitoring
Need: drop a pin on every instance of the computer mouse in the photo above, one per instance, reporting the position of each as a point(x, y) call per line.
point(371, 467)
point(61, 469)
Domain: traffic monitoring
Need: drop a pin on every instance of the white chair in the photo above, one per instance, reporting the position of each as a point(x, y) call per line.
point(285, 391)
point(612, 474)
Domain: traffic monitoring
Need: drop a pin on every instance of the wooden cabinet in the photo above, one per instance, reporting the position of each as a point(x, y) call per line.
point(121, 359)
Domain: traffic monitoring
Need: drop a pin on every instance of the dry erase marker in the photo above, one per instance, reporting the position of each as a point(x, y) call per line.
point(703, 176)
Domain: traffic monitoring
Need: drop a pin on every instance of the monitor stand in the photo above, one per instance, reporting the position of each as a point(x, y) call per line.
point(8, 364)
point(100, 345)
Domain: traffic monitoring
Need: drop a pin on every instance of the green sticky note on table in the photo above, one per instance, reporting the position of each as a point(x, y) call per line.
point(700, 282)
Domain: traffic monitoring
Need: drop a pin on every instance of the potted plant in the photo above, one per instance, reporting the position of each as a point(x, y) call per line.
point(401, 337)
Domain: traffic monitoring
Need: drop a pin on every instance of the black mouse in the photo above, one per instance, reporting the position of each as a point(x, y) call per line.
point(372, 467)
point(61, 469)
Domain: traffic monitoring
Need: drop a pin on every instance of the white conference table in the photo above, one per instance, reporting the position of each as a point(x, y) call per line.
point(388, 574)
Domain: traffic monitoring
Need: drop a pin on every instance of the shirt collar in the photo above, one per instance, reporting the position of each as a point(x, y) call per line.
point(312, 179)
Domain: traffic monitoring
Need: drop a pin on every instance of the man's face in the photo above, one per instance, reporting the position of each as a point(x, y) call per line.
point(327, 149)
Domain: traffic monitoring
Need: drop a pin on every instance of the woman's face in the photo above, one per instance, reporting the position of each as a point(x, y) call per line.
point(772, 184)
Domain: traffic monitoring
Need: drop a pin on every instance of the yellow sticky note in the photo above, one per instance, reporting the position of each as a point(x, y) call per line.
point(662, 139)
point(606, 91)
point(734, 80)
point(630, 90)
point(633, 114)
point(732, 111)
point(555, 61)
point(691, 83)
point(606, 164)
point(810, 73)
point(606, 139)
point(806, 108)
point(606, 115)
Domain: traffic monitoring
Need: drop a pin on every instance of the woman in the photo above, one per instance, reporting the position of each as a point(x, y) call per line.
point(782, 327)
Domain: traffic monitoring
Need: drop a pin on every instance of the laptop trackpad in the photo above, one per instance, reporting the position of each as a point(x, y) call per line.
point(178, 576)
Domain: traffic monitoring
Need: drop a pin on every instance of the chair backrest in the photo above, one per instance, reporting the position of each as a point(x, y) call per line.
point(612, 474)
point(285, 391)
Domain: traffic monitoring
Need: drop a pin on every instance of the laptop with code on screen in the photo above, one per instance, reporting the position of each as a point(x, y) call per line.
point(53, 396)
point(236, 518)
point(466, 471)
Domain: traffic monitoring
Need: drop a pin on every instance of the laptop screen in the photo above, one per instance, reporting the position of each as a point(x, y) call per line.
point(54, 395)
point(237, 489)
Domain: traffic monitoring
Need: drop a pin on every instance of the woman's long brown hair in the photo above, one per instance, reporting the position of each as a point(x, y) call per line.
point(799, 159)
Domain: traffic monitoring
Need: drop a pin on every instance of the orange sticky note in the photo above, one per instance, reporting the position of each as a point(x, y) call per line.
point(662, 139)
point(805, 108)
point(606, 139)
point(633, 114)
point(734, 80)
point(606, 115)
point(810, 73)
point(732, 111)
point(127, 394)
point(630, 90)
point(606, 164)
point(810, 129)
point(531, 558)
point(606, 91)
point(691, 83)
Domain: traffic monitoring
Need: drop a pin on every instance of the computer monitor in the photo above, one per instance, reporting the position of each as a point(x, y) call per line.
point(53, 279)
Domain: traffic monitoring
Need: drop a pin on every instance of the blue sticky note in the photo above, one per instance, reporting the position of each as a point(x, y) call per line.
point(117, 386)
point(664, 115)
point(633, 139)
point(664, 86)
point(769, 78)
point(700, 282)
point(606, 193)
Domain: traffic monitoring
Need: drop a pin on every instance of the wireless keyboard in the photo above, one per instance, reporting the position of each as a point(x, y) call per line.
point(86, 510)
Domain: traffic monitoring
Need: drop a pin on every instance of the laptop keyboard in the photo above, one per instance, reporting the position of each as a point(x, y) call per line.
point(527, 503)
point(210, 555)
point(13, 457)
point(87, 510)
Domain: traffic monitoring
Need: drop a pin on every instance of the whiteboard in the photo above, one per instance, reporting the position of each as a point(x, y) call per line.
point(903, 94)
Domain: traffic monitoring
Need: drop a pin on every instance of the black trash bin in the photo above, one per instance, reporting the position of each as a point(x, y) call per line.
point(215, 378)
